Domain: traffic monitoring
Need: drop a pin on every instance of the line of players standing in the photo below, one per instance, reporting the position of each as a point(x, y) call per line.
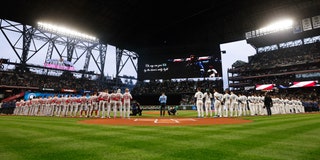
point(88, 106)
point(230, 104)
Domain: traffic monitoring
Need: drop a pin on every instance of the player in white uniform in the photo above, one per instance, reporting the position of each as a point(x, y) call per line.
point(113, 103)
point(207, 103)
point(243, 105)
point(58, 106)
point(34, 106)
point(27, 107)
point(260, 104)
point(76, 106)
point(300, 106)
point(252, 100)
point(102, 103)
point(118, 99)
point(217, 103)
point(95, 104)
point(105, 102)
point(64, 105)
point(126, 103)
point(83, 105)
point(227, 103)
point(70, 105)
point(90, 105)
point(234, 105)
point(50, 106)
point(199, 102)
point(18, 108)
point(276, 105)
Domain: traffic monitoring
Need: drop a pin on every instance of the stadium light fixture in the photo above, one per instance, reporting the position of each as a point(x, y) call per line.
point(278, 26)
point(65, 31)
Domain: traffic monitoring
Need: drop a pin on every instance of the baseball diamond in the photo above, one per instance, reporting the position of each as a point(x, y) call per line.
point(166, 121)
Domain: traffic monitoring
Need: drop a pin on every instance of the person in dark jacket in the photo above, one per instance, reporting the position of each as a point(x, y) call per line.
point(268, 103)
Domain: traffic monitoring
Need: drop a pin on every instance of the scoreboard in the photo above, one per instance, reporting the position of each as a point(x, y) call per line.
point(151, 67)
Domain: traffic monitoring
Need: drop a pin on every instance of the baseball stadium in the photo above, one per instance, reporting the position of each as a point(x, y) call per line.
point(154, 80)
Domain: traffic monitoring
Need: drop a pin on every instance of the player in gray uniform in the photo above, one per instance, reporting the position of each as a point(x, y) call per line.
point(199, 102)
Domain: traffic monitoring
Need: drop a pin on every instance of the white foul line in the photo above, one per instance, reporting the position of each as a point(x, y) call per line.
point(175, 120)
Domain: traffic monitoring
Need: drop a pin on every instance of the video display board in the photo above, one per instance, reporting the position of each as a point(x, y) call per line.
point(184, 66)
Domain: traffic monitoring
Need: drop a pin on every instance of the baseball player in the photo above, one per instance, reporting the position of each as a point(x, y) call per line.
point(217, 103)
point(18, 108)
point(252, 105)
point(83, 105)
point(126, 103)
point(234, 105)
point(199, 102)
point(95, 106)
point(113, 103)
point(34, 106)
point(118, 98)
point(227, 103)
point(104, 101)
point(207, 103)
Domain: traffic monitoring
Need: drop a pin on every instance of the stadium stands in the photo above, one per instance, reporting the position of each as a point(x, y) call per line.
point(280, 67)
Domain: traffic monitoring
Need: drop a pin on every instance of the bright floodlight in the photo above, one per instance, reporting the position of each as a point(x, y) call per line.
point(277, 26)
point(65, 31)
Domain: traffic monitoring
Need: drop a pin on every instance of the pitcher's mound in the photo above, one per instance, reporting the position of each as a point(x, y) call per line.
point(165, 121)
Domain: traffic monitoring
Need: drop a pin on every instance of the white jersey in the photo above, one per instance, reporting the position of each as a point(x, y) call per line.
point(127, 97)
point(217, 96)
point(226, 98)
point(233, 98)
point(243, 99)
point(199, 96)
point(207, 97)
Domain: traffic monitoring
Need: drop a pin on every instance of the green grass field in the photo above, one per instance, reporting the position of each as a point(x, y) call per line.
point(278, 137)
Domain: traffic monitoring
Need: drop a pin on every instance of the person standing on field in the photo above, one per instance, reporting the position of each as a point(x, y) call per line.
point(217, 103)
point(126, 103)
point(268, 103)
point(207, 103)
point(234, 107)
point(163, 102)
point(118, 98)
point(199, 102)
point(227, 103)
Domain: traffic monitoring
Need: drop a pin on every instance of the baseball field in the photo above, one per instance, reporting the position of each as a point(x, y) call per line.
point(279, 137)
